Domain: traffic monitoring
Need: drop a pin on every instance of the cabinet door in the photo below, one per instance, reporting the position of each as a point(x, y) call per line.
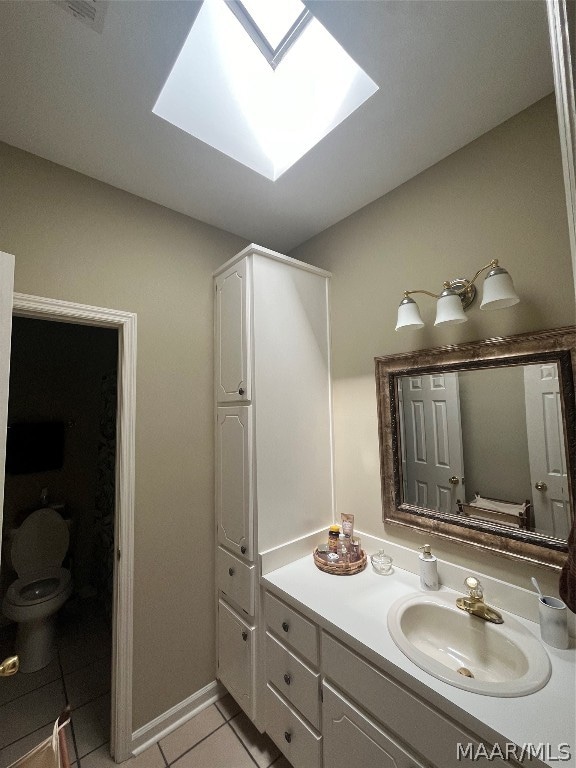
point(232, 353)
point(236, 656)
point(234, 479)
point(351, 738)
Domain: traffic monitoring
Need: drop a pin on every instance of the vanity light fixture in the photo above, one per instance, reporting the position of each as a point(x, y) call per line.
point(458, 295)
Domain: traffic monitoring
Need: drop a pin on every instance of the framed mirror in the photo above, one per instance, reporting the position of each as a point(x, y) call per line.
point(478, 442)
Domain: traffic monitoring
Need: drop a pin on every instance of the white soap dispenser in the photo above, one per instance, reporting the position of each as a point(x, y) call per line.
point(428, 570)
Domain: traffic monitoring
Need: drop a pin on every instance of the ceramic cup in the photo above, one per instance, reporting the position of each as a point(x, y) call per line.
point(553, 621)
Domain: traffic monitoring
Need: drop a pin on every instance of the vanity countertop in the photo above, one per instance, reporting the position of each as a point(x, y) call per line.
point(354, 609)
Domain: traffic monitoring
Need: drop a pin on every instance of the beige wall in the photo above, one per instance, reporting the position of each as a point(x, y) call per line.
point(499, 197)
point(492, 401)
point(80, 240)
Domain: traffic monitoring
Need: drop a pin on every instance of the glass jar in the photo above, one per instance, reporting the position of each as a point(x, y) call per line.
point(333, 535)
point(381, 562)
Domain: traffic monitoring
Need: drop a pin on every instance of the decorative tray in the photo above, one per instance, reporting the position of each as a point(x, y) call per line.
point(339, 569)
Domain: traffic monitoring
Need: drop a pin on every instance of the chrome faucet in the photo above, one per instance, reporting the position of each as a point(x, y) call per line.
point(474, 602)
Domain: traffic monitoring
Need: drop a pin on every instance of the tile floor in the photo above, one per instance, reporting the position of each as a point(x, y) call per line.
point(221, 736)
point(79, 676)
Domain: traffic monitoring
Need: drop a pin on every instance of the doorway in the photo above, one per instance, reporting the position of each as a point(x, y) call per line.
point(61, 450)
point(123, 326)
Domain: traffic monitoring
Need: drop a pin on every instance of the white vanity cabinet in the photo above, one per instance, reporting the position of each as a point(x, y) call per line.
point(336, 709)
point(402, 715)
point(273, 437)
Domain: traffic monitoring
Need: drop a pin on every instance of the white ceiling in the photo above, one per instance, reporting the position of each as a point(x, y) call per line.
point(448, 71)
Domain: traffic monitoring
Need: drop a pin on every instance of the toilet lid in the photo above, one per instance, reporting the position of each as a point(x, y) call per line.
point(40, 542)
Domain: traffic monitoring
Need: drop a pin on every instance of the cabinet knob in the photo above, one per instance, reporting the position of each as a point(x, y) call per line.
point(243, 549)
point(231, 571)
point(241, 391)
point(288, 736)
point(287, 679)
point(244, 636)
point(285, 626)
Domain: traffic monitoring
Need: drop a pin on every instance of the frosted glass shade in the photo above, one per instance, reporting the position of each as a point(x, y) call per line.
point(408, 315)
point(498, 291)
point(449, 310)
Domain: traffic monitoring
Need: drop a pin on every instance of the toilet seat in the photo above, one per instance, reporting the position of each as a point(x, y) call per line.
point(38, 587)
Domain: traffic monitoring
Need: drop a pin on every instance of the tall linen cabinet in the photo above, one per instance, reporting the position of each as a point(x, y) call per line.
point(274, 467)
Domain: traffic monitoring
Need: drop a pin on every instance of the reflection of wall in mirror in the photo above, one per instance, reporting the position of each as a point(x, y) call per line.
point(496, 463)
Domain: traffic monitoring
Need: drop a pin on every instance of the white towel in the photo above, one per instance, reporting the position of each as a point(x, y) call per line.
point(498, 506)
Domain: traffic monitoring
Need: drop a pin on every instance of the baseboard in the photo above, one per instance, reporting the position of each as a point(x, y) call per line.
point(173, 718)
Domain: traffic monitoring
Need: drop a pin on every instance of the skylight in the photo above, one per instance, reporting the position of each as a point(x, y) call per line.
point(273, 25)
point(264, 114)
point(274, 18)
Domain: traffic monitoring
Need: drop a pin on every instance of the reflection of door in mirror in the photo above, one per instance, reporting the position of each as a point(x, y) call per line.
point(432, 449)
point(548, 472)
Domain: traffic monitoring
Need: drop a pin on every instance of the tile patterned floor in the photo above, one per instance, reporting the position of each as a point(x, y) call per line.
point(221, 736)
point(79, 677)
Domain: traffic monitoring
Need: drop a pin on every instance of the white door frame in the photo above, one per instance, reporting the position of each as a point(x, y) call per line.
point(562, 55)
point(122, 638)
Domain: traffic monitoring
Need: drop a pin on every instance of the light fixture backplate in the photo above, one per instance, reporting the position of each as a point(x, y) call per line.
point(465, 289)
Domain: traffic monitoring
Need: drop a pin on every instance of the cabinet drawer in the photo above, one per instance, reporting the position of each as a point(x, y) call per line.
point(292, 628)
point(435, 736)
point(236, 654)
point(236, 579)
point(297, 741)
point(297, 682)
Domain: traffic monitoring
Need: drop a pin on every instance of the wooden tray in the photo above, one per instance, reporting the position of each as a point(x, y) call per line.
point(339, 569)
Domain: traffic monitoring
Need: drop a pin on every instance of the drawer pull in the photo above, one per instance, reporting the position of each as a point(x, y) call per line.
point(287, 679)
point(244, 636)
point(243, 549)
point(231, 571)
point(288, 736)
point(285, 626)
point(241, 391)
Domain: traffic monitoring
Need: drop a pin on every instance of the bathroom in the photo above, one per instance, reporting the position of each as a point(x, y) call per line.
point(79, 239)
point(64, 375)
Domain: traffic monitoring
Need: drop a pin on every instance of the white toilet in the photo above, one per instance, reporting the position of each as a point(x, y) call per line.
point(39, 546)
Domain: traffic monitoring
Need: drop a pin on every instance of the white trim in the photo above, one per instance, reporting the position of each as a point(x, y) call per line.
point(286, 553)
point(6, 288)
point(122, 638)
point(260, 251)
point(173, 718)
point(564, 88)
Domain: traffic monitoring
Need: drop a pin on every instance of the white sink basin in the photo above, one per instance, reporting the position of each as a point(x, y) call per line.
point(503, 659)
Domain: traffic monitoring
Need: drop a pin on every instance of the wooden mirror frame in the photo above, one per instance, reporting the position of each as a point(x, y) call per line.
point(557, 346)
